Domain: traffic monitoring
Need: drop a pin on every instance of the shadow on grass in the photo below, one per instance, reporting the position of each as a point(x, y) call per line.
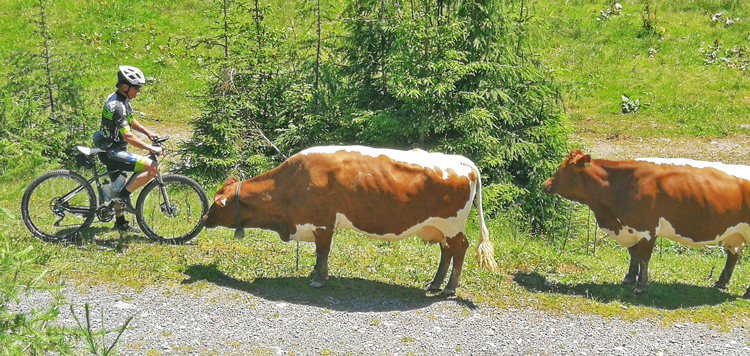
point(104, 237)
point(658, 295)
point(341, 294)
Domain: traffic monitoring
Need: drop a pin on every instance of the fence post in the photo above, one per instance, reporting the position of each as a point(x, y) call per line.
point(588, 230)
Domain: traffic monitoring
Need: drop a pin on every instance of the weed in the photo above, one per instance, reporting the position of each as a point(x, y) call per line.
point(98, 347)
point(630, 106)
point(650, 22)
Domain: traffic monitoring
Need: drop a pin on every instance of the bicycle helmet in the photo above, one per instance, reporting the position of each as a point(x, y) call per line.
point(130, 75)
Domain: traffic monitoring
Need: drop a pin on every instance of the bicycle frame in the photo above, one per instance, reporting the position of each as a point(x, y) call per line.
point(167, 208)
point(100, 201)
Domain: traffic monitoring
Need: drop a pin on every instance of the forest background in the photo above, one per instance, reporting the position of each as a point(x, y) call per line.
point(513, 85)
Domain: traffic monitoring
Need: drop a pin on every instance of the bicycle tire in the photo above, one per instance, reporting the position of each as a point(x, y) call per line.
point(185, 196)
point(38, 205)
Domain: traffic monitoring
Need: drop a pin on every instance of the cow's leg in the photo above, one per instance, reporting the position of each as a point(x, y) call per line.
point(323, 239)
point(726, 274)
point(645, 248)
point(632, 274)
point(445, 259)
point(457, 246)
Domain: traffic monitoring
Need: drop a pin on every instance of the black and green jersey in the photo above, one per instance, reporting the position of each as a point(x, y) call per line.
point(117, 116)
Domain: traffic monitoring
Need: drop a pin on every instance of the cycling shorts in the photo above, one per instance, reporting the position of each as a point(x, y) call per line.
point(123, 160)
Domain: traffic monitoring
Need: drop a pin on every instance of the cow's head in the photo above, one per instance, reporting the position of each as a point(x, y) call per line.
point(223, 211)
point(567, 181)
point(256, 208)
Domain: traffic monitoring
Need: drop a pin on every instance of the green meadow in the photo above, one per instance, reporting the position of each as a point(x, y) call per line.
point(666, 58)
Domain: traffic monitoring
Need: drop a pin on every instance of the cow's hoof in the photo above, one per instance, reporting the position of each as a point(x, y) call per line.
point(628, 280)
point(637, 291)
point(449, 292)
point(317, 284)
point(431, 288)
point(721, 286)
point(746, 295)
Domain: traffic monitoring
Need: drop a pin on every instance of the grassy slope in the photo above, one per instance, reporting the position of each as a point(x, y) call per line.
point(109, 33)
point(597, 62)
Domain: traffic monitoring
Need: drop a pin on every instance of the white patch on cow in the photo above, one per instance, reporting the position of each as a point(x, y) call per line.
point(462, 166)
point(628, 237)
point(425, 230)
point(305, 233)
point(737, 170)
point(734, 238)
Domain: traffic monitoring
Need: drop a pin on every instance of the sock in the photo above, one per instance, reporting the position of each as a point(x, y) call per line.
point(124, 193)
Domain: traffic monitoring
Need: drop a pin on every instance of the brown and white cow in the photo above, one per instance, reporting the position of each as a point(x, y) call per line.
point(386, 194)
point(636, 201)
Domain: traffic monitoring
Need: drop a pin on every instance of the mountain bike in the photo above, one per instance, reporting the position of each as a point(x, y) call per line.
point(61, 204)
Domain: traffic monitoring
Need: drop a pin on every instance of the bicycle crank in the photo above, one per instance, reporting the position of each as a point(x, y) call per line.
point(104, 213)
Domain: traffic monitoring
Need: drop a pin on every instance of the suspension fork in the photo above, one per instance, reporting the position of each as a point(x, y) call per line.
point(167, 208)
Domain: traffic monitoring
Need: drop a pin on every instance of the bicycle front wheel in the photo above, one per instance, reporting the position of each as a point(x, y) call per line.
point(58, 205)
point(173, 214)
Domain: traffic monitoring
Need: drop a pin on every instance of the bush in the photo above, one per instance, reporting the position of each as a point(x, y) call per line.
point(453, 78)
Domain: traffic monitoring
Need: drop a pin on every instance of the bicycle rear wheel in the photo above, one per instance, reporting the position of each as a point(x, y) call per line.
point(58, 205)
point(176, 219)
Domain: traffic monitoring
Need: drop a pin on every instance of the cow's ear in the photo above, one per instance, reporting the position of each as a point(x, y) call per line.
point(580, 158)
point(220, 200)
point(227, 183)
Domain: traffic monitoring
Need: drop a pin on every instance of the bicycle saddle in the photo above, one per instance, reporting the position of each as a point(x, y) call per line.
point(88, 151)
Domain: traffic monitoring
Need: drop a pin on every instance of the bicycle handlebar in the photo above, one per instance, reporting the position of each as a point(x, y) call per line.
point(159, 141)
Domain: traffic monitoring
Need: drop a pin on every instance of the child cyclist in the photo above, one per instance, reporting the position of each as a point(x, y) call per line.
point(116, 133)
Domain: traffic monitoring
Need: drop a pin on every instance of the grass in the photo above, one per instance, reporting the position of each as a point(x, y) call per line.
point(368, 275)
point(597, 61)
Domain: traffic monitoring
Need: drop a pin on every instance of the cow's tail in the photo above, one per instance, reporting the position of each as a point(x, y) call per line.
point(485, 250)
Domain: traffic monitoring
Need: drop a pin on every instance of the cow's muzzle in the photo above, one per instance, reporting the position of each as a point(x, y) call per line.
point(547, 187)
point(207, 222)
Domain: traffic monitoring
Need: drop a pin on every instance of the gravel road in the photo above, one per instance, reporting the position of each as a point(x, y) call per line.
point(218, 320)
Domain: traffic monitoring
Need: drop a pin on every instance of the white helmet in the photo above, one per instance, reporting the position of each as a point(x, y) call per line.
point(130, 75)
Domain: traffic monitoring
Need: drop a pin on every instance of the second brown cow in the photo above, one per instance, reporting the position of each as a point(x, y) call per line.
point(636, 201)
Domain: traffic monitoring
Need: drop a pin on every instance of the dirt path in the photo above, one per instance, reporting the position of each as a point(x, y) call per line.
point(732, 150)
